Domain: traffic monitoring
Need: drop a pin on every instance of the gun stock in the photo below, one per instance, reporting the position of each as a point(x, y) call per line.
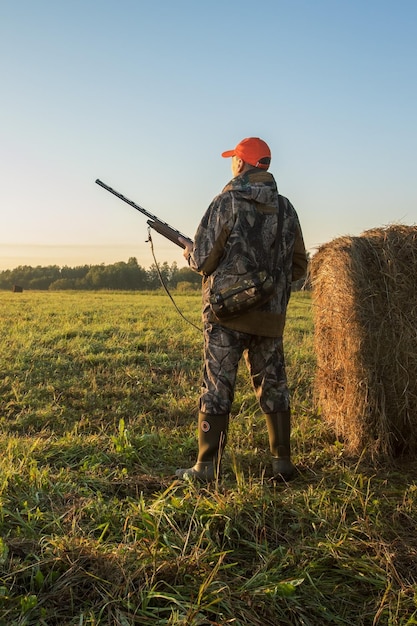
point(154, 222)
point(168, 232)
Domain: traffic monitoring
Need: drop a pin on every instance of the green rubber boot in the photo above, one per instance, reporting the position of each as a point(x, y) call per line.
point(212, 437)
point(279, 432)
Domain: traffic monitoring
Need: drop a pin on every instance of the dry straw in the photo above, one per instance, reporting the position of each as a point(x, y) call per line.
point(365, 295)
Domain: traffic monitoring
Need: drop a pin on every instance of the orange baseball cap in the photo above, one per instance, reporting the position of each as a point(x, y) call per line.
point(252, 150)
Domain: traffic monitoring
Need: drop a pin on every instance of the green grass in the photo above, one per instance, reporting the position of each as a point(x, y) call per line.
point(98, 408)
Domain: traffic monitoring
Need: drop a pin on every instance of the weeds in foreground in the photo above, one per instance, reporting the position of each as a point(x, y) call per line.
point(98, 405)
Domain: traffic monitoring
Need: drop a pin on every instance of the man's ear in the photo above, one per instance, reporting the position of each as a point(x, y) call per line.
point(240, 166)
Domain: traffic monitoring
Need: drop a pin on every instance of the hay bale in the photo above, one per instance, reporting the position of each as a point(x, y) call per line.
point(365, 317)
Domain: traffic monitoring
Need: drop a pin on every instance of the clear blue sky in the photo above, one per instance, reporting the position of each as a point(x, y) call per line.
point(146, 95)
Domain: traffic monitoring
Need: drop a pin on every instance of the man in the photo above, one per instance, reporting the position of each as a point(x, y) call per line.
point(236, 236)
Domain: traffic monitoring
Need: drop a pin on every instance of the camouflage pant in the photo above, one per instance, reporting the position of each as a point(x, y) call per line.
point(264, 356)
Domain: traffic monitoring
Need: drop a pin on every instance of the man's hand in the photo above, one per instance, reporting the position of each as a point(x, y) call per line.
point(188, 247)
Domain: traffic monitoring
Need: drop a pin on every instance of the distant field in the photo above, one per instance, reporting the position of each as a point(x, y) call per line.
point(98, 400)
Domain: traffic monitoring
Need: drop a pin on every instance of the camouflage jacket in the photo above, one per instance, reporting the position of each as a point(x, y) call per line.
point(236, 236)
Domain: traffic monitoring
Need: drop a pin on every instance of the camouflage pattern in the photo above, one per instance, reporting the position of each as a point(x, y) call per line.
point(264, 358)
point(251, 291)
point(236, 237)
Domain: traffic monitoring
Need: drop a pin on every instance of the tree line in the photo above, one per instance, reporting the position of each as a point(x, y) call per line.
point(122, 276)
point(128, 276)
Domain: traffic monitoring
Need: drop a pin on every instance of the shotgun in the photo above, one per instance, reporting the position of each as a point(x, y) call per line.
point(154, 222)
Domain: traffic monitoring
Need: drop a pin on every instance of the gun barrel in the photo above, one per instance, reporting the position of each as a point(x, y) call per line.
point(157, 224)
point(122, 197)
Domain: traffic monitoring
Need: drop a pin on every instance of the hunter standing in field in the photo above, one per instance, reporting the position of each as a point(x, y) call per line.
point(236, 237)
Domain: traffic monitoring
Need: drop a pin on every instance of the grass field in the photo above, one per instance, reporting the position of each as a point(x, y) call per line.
point(98, 406)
